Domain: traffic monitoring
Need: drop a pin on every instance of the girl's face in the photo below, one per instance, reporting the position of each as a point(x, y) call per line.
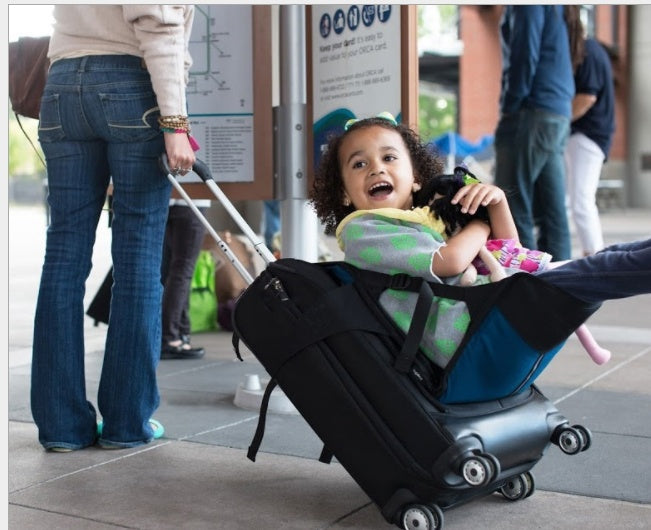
point(376, 169)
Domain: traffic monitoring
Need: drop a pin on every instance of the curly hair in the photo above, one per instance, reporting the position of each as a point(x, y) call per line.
point(327, 194)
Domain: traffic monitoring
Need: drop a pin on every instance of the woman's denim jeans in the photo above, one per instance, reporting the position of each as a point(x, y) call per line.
point(98, 121)
point(618, 271)
point(530, 168)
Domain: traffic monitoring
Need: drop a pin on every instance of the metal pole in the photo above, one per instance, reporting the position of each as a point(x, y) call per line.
point(298, 221)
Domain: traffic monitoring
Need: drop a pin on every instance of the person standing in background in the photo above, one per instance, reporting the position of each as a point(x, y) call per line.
point(593, 125)
point(184, 236)
point(535, 106)
point(113, 103)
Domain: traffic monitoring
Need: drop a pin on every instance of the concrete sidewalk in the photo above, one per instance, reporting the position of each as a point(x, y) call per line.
point(198, 475)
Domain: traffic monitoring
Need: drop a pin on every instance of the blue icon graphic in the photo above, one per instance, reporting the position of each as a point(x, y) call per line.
point(383, 12)
point(325, 25)
point(368, 15)
point(353, 17)
point(339, 21)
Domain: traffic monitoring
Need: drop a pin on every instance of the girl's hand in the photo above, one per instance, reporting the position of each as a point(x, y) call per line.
point(179, 152)
point(472, 196)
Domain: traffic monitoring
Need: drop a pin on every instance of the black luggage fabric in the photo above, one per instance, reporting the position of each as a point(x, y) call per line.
point(100, 306)
point(321, 335)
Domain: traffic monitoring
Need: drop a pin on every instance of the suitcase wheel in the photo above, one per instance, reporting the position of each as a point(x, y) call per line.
point(572, 440)
point(422, 517)
point(586, 436)
point(519, 487)
point(479, 470)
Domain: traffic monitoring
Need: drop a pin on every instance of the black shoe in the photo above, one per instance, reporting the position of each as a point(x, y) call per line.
point(179, 352)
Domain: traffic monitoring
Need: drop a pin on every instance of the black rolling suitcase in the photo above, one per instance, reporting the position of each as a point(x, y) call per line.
point(334, 353)
point(374, 401)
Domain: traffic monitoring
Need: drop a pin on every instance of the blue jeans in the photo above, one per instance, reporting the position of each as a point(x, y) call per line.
point(530, 168)
point(99, 121)
point(618, 271)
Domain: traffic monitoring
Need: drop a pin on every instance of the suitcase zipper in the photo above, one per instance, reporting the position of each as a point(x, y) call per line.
point(278, 288)
point(529, 375)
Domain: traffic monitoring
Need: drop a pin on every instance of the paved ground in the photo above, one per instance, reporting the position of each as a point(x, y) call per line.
point(198, 476)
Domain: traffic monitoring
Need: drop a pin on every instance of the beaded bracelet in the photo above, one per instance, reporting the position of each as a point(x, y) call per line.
point(177, 131)
point(178, 117)
point(174, 122)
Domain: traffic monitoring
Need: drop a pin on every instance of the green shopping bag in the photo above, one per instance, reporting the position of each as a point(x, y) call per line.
point(203, 300)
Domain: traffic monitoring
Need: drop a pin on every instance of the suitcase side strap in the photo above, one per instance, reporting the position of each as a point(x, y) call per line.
point(262, 419)
point(326, 454)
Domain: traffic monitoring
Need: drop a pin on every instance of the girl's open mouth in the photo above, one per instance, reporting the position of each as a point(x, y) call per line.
point(380, 189)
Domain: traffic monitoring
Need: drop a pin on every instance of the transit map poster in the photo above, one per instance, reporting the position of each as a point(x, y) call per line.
point(220, 91)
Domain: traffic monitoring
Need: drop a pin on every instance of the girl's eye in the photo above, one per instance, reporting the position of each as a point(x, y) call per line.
point(358, 164)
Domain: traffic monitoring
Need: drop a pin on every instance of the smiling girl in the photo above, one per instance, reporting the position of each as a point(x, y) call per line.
point(363, 191)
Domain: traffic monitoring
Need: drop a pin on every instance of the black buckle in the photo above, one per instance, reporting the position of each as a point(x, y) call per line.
point(400, 281)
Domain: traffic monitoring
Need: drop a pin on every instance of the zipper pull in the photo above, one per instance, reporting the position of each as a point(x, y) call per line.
point(278, 289)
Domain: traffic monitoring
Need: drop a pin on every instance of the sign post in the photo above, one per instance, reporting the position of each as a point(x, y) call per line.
point(299, 222)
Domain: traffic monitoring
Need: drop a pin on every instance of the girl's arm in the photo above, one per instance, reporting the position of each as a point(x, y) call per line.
point(472, 196)
point(460, 250)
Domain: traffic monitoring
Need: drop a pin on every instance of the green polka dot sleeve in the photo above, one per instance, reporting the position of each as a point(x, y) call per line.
point(395, 246)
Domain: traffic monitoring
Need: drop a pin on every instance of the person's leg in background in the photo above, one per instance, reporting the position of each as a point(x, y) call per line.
point(549, 134)
point(584, 161)
point(185, 323)
point(514, 172)
point(184, 237)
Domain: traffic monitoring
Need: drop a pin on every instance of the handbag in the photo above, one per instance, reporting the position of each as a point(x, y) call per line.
point(28, 67)
point(203, 301)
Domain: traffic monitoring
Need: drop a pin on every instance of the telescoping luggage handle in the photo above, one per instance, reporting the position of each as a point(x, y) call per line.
point(202, 170)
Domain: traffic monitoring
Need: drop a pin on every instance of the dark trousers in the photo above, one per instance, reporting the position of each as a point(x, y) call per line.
point(184, 235)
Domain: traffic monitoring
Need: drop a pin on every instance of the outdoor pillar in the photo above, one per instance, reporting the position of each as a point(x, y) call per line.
point(639, 133)
point(298, 221)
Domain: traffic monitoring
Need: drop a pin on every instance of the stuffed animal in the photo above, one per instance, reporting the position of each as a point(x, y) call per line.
point(438, 192)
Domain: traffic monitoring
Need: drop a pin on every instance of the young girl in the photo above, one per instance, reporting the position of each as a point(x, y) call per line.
point(364, 189)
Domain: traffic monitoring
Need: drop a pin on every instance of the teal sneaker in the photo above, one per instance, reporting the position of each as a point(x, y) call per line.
point(156, 426)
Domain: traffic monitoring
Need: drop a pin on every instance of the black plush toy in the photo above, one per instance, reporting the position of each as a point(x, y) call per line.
point(437, 193)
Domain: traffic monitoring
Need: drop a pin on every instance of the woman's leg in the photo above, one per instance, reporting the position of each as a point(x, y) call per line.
point(618, 271)
point(77, 181)
point(128, 392)
point(186, 235)
point(584, 162)
point(125, 115)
